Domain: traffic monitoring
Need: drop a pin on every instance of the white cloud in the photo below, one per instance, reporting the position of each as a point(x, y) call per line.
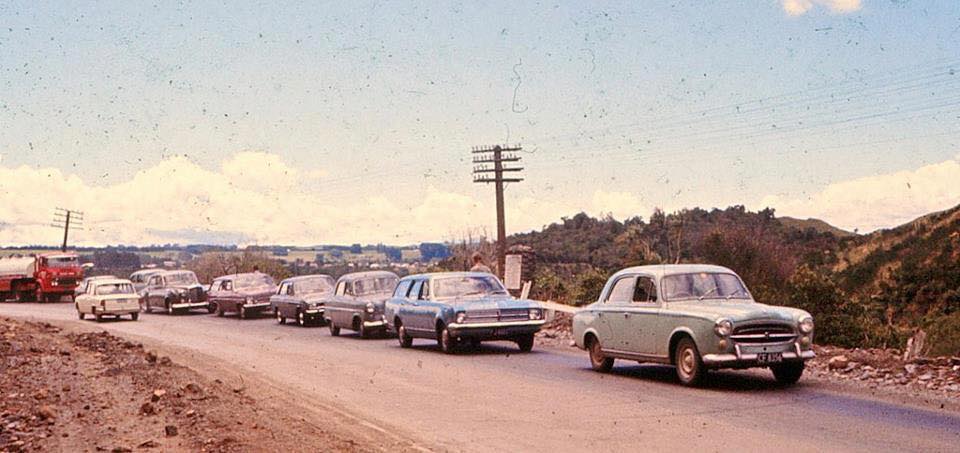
point(801, 7)
point(620, 205)
point(255, 197)
point(881, 201)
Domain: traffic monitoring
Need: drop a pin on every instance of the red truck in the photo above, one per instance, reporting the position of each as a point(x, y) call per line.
point(46, 277)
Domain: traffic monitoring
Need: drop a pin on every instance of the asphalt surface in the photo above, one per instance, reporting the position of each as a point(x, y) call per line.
point(498, 399)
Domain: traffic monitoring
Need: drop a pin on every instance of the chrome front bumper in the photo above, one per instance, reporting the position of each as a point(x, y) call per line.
point(494, 325)
point(750, 359)
point(374, 323)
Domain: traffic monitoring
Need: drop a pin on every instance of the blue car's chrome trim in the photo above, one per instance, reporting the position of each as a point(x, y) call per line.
point(487, 325)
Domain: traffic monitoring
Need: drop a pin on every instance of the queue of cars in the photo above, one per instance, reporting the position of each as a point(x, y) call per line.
point(694, 317)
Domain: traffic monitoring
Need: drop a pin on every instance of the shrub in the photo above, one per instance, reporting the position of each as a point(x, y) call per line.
point(838, 320)
point(944, 336)
point(587, 287)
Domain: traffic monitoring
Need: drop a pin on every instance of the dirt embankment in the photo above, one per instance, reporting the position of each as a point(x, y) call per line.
point(95, 392)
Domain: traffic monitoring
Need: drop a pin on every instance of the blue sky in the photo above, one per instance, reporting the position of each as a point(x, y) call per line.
point(621, 106)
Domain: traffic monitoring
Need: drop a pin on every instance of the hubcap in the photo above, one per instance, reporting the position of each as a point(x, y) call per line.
point(687, 361)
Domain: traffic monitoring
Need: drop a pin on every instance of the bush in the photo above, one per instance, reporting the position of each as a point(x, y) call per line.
point(547, 285)
point(587, 287)
point(838, 320)
point(944, 336)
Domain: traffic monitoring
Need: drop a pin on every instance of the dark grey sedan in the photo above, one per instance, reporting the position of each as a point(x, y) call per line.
point(358, 302)
point(302, 299)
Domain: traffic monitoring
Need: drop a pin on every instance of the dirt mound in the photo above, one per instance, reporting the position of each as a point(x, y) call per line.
point(97, 392)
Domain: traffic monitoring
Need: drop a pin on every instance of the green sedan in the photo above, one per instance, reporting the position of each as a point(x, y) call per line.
point(695, 317)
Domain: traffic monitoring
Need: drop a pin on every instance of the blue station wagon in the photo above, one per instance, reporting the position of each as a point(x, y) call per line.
point(460, 307)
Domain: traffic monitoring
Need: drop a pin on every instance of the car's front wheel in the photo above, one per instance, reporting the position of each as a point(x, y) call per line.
point(788, 373)
point(243, 312)
point(525, 342)
point(598, 361)
point(301, 319)
point(134, 316)
point(690, 369)
point(80, 314)
point(334, 329)
point(445, 341)
point(405, 339)
point(280, 318)
point(219, 309)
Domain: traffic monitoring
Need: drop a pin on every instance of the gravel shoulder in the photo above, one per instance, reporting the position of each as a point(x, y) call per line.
point(67, 389)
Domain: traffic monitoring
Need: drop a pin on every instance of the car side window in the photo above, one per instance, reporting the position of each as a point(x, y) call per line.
point(425, 291)
point(348, 290)
point(622, 290)
point(415, 290)
point(402, 288)
point(227, 285)
point(154, 281)
point(341, 288)
point(290, 289)
point(646, 290)
point(283, 288)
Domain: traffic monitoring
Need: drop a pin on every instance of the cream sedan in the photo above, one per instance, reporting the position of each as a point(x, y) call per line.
point(109, 297)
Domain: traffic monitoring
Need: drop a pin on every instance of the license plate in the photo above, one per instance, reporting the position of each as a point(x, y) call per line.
point(769, 357)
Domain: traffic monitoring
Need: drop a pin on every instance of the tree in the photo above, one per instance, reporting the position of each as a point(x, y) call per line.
point(211, 265)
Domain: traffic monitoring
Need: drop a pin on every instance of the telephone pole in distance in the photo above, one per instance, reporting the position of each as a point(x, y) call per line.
point(483, 173)
point(67, 219)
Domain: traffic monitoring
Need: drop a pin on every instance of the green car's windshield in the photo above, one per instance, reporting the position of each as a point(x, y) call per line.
point(703, 285)
point(319, 284)
point(467, 286)
point(377, 285)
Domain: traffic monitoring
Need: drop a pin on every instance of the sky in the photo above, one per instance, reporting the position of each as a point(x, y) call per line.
point(307, 123)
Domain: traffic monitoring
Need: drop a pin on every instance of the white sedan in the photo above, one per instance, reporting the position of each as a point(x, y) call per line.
point(109, 297)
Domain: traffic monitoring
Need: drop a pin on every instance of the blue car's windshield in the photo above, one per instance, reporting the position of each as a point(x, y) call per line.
point(446, 287)
point(703, 285)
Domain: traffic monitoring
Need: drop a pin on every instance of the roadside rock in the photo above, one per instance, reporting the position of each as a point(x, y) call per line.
point(838, 363)
point(170, 430)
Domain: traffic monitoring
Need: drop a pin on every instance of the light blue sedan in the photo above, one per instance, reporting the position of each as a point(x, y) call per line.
point(460, 307)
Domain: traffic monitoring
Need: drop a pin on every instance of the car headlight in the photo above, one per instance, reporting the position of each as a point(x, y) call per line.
point(461, 317)
point(369, 307)
point(806, 325)
point(534, 313)
point(723, 327)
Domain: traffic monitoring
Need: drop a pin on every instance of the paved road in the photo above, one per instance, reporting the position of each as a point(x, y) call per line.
point(498, 399)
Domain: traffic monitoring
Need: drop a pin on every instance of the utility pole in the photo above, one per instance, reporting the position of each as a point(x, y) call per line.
point(497, 155)
point(67, 219)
